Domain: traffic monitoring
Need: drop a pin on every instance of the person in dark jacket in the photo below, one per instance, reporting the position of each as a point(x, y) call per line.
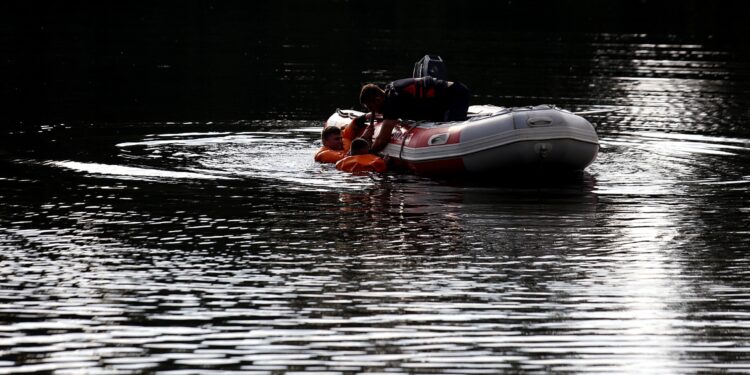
point(417, 99)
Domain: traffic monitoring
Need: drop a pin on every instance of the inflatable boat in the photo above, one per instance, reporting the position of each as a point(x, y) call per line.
point(492, 139)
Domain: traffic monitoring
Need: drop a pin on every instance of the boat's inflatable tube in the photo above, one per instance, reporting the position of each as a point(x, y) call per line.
point(492, 139)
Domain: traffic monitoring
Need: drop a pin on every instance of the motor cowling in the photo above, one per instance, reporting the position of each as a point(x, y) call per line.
point(430, 66)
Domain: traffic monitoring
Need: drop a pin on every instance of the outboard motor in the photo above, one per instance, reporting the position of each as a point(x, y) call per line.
point(432, 66)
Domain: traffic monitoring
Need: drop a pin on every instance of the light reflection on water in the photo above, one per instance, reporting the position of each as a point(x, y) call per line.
point(227, 249)
point(606, 273)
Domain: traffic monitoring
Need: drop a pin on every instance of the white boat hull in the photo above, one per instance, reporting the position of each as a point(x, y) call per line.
point(492, 139)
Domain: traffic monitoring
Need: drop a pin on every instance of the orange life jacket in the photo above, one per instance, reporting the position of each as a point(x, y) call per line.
point(327, 155)
point(361, 163)
point(350, 133)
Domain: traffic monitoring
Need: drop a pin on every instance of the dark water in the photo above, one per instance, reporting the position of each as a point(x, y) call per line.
point(135, 244)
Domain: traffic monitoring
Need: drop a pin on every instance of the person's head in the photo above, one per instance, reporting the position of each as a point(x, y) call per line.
point(331, 138)
point(372, 97)
point(360, 147)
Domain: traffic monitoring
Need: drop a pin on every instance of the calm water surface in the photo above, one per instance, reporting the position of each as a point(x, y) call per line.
point(214, 247)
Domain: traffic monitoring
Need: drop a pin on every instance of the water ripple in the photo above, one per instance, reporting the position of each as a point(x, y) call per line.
point(200, 248)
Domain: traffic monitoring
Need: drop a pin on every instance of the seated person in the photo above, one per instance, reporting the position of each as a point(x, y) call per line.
point(361, 160)
point(423, 98)
point(333, 146)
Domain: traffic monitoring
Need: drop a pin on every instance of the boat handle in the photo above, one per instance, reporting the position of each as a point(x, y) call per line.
point(438, 139)
point(539, 121)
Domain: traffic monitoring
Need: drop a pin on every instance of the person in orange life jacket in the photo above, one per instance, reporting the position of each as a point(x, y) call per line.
point(361, 160)
point(417, 99)
point(355, 129)
point(333, 146)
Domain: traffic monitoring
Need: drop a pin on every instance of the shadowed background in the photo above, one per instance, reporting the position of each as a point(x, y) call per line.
point(206, 60)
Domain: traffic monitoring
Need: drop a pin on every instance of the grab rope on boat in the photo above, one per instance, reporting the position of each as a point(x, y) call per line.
point(345, 114)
